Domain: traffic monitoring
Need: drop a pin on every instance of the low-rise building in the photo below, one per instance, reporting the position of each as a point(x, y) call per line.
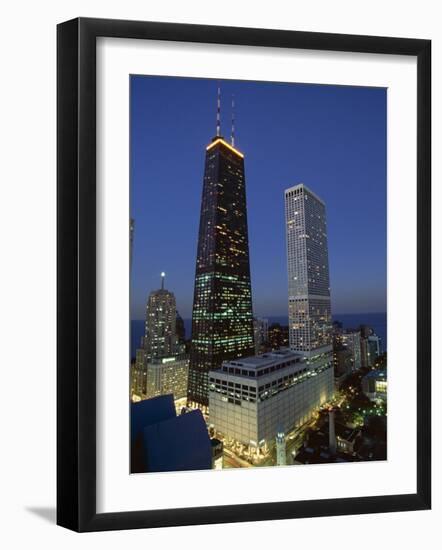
point(160, 439)
point(316, 450)
point(253, 398)
point(346, 438)
point(138, 376)
point(374, 385)
point(166, 375)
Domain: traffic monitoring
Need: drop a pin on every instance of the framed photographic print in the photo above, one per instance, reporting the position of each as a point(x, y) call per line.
point(243, 274)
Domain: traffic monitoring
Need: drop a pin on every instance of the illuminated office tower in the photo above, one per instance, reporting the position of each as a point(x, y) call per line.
point(167, 375)
point(373, 348)
point(310, 325)
point(261, 330)
point(160, 334)
point(138, 375)
point(222, 319)
point(351, 340)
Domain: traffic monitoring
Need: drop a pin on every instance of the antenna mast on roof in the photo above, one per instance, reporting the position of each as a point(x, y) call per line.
point(232, 135)
point(218, 112)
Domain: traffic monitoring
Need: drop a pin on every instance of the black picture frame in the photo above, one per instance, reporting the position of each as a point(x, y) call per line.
point(76, 274)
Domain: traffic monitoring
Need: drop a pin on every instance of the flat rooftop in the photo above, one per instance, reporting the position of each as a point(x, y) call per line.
point(303, 187)
point(262, 365)
point(266, 359)
point(377, 374)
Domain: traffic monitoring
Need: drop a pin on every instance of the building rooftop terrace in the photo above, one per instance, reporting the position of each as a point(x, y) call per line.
point(266, 359)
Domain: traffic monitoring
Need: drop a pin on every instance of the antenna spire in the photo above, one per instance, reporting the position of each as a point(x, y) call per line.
point(163, 275)
point(232, 135)
point(218, 112)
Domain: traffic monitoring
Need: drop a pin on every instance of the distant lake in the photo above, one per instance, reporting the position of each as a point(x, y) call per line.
point(377, 321)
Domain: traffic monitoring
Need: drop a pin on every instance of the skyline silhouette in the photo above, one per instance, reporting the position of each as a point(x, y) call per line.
point(332, 138)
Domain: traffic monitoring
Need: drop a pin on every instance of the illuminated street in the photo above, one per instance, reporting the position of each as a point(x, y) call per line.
point(351, 407)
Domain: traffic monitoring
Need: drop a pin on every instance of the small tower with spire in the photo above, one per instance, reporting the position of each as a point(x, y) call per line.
point(160, 328)
point(281, 448)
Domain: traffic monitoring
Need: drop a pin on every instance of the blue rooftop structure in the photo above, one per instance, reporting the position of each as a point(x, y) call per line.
point(164, 442)
point(376, 374)
point(150, 411)
point(180, 443)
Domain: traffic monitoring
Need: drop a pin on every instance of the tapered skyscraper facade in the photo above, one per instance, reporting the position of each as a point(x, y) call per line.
point(308, 273)
point(222, 318)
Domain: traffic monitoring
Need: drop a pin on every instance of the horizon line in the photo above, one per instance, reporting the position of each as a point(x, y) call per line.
point(284, 315)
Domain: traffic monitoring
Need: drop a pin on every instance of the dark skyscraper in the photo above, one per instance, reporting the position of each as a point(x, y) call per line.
point(180, 329)
point(222, 318)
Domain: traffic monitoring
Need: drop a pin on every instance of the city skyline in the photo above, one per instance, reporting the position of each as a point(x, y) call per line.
point(174, 244)
point(238, 392)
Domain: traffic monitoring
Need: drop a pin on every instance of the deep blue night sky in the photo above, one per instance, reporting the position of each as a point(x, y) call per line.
point(332, 138)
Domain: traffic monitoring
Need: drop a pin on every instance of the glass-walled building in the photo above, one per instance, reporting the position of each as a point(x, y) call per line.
point(222, 318)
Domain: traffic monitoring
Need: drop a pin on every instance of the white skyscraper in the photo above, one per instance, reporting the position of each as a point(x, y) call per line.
point(310, 325)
